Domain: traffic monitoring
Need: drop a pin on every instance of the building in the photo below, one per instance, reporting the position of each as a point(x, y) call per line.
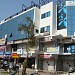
point(54, 21)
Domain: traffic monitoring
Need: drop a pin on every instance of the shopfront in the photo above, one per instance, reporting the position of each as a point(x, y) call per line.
point(2, 51)
point(46, 61)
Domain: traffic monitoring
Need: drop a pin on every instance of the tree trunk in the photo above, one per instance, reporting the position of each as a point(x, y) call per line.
point(24, 67)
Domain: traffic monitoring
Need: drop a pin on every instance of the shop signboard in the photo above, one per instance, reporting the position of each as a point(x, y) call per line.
point(2, 41)
point(10, 42)
point(44, 56)
point(53, 50)
point(69, 3)
point(19, 51)
point(15, 55)
point(2, 48)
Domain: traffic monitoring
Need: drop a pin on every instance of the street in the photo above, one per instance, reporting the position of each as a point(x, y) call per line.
point(33, 72)
point(28, 71)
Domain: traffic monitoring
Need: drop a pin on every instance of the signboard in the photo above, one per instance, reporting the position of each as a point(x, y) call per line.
point(19, 51)
point(15, 55)
point(2, 41)
point(53, 50)
point(68, 3)
point(10, 42)
point(2, 48)
point(44, 56)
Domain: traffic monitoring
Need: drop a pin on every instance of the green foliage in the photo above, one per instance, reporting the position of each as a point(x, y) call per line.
point(29, 30)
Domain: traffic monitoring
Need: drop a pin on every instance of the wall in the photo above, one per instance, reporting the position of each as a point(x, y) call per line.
point(63, 32)
point(37, 18)
point(49, 20)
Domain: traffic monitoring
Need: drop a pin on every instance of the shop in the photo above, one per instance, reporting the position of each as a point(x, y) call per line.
point(64, 62)
point(46, 62)
point(2, 51)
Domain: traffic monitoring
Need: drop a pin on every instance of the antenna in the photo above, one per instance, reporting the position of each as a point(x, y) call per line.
point(32, 3)
point(23, 6)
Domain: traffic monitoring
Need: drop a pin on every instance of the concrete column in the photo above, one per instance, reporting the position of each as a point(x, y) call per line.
point(36, 63)
point(55, 66)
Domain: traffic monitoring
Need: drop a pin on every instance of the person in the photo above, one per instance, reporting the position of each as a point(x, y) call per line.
point(12, 68)
point(11, 65)
point(32, 66)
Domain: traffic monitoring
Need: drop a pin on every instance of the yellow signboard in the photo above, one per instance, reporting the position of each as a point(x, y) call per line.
point(15, 56)
point(52, 50)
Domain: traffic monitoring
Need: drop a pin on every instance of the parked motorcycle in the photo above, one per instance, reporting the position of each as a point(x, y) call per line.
point(5, 66)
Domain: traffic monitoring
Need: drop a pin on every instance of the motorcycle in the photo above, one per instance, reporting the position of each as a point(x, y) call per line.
point(5, 67)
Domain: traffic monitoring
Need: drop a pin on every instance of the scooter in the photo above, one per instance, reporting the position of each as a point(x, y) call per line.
point(5, 67)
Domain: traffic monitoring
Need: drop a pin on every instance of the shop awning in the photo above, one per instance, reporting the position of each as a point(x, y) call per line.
point(7, 53)
point(1, 53)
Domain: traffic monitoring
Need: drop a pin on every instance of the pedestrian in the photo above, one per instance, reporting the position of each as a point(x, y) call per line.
point(12, 67)
point(32, 66)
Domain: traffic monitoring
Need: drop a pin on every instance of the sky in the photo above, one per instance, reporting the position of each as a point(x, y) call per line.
point(10, 7)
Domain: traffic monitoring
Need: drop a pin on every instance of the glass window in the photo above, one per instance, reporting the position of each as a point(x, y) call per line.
point(42, 29)
point(48, 28)
point(43, 16)
point(47, 14)
point(36, 30)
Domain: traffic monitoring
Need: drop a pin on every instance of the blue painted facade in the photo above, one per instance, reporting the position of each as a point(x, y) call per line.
point(11, 27)
point(70, 20)
point(69, 48)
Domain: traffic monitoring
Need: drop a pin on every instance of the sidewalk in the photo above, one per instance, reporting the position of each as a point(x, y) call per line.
point(28, 71)
point(33, 72)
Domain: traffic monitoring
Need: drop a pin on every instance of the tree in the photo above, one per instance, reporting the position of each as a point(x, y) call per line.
point(28, 29)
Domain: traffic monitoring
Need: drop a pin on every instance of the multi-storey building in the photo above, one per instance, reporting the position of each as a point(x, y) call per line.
point(54, 29)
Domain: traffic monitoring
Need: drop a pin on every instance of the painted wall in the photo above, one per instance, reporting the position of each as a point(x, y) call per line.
point(37, 19)
point(62, 32)
point(48, 20)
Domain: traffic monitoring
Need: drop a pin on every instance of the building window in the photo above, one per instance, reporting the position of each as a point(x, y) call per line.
point(42, 29)
point(45, 29)
point(44, 15)
point(36, 30)
point(48, 14)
